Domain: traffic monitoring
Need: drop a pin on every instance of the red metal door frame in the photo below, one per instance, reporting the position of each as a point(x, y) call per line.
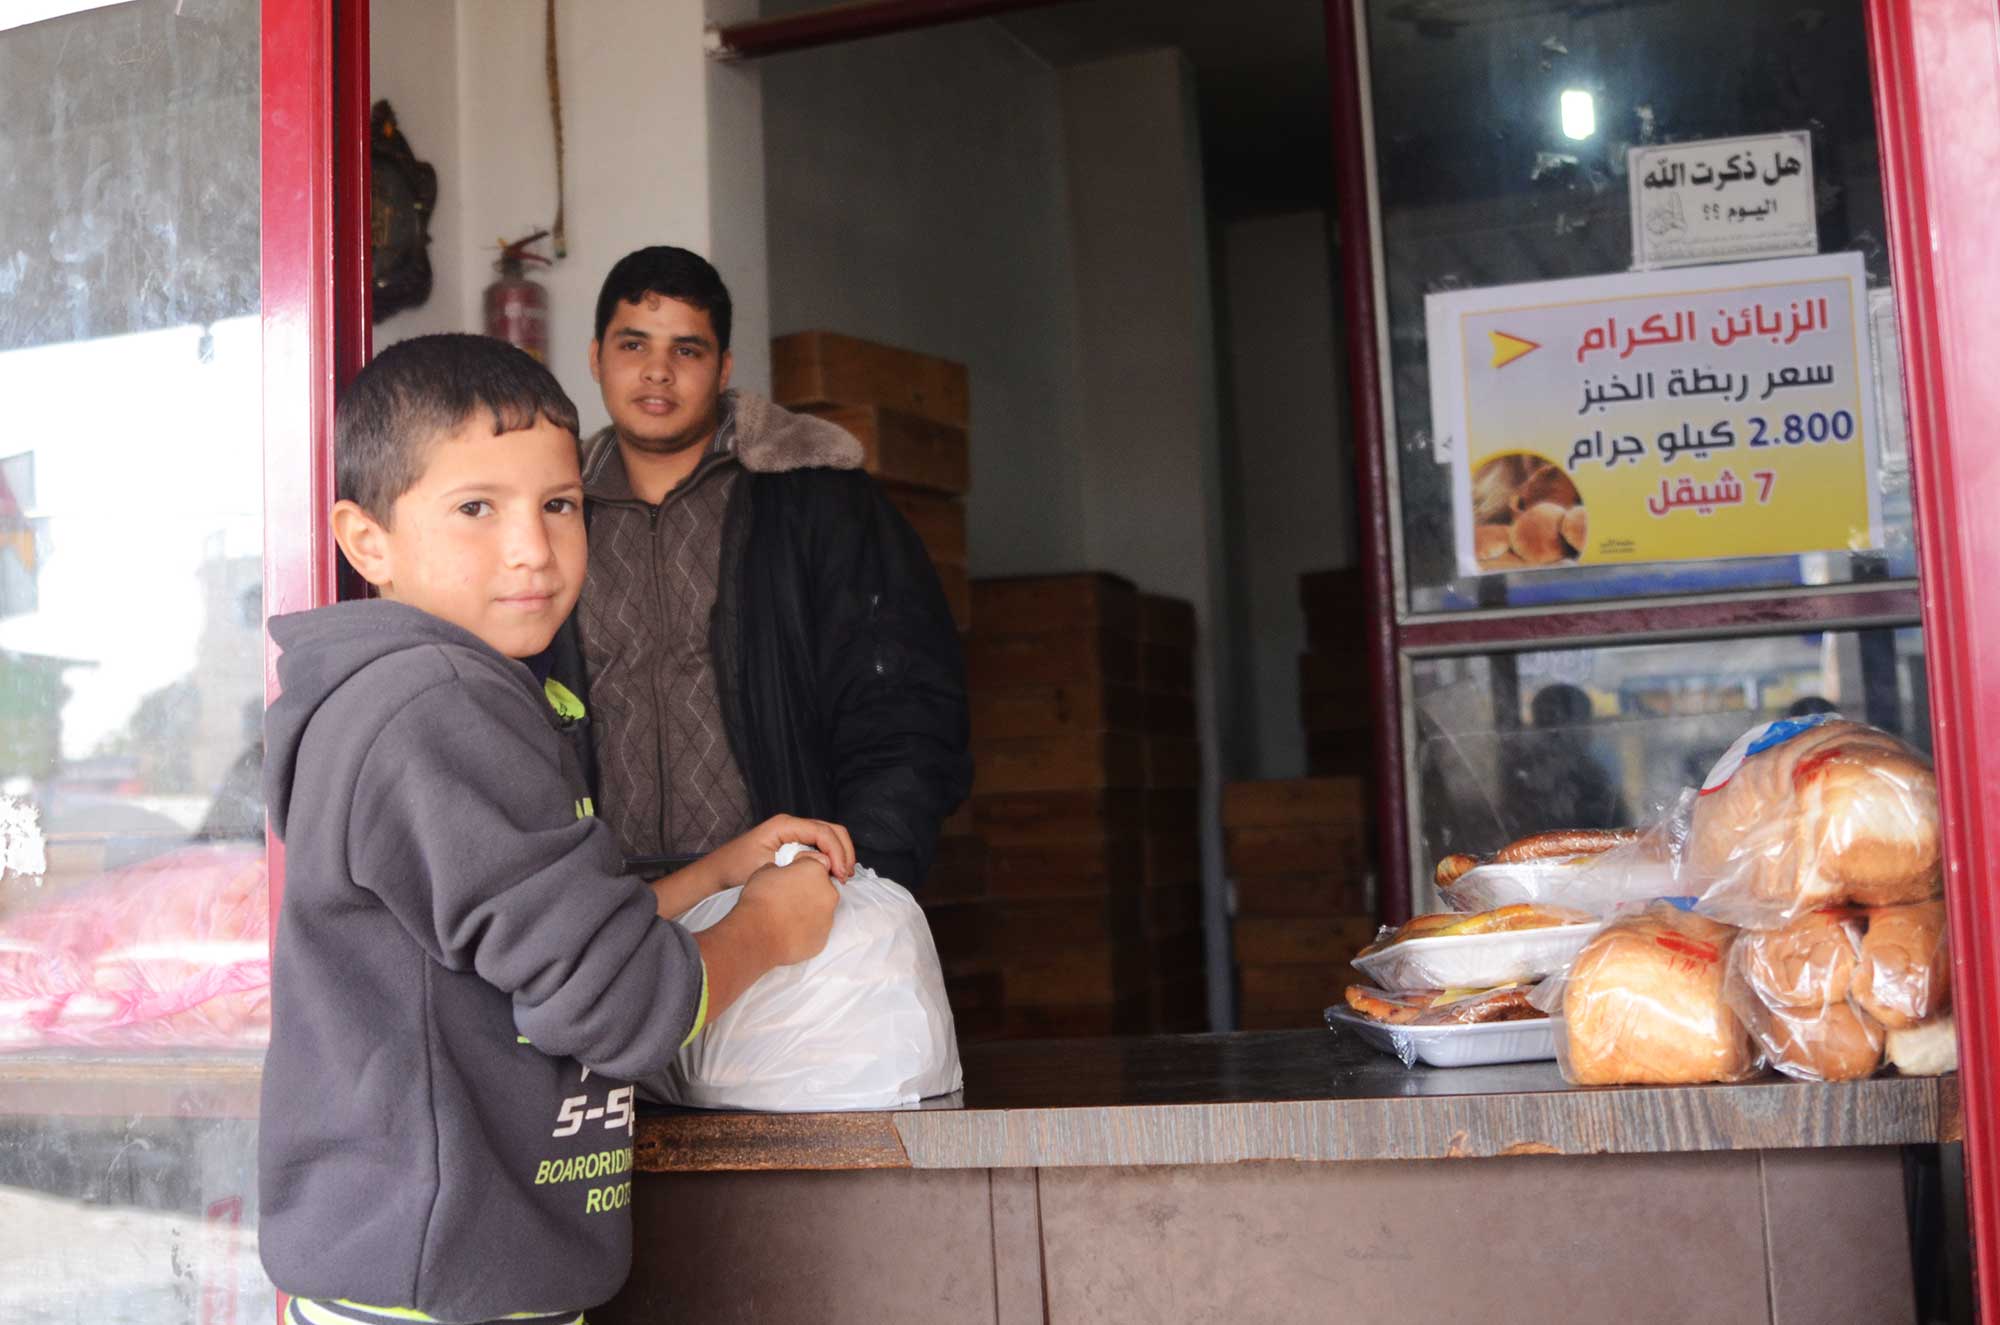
point(315, 291)
point(1937, 88)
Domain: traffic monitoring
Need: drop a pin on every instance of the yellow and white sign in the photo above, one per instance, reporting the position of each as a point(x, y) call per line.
point(1658, 416)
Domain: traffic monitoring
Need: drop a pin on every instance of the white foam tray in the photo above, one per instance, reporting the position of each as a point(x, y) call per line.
point(1530, 1041)
point(1476, 961)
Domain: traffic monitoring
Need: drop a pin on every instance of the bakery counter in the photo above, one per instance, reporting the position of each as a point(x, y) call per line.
point(1306, 1095)
point(1288, 1176)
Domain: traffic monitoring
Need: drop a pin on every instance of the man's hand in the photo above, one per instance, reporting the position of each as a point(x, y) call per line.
point(783, 917)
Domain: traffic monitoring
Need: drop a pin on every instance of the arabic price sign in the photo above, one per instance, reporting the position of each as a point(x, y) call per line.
point(1659, 416)
point(1722, 199)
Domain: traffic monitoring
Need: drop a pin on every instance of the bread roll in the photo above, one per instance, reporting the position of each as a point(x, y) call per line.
point(1454, 867)
point(1564, 844)
point(1576, 528)
point(1644, 1004)
point(1926, 1050)
point(1838, 813)
point(1904, 974)
point(1537, 534)
point(1809, 964)
point(1545, 484)
point(1491, 540)
point(1833, 1043)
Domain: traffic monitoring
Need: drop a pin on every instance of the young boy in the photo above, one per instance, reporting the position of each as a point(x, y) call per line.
point(463, 981)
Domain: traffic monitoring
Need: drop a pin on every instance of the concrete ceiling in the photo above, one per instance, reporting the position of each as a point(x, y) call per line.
point(1260, 68)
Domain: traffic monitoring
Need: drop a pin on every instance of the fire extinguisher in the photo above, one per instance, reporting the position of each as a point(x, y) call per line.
point(517, 308)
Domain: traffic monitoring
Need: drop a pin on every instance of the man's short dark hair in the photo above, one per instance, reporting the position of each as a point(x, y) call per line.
point(673, 272)
point(421, 389)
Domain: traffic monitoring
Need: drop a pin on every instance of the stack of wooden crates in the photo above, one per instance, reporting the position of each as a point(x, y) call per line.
point(1297, 852)
point(1298, 849)
point(909, 412)
point(1081, 915)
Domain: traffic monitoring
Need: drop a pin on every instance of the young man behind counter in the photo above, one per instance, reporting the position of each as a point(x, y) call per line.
point(760, 630)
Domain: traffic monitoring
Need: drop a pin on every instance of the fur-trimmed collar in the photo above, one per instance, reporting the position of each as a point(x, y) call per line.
point(773, 440)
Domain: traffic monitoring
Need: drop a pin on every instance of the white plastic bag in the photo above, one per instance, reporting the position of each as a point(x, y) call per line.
point(864, 1025)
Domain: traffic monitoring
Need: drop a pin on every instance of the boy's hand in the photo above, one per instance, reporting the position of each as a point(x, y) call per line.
point(737, 860)
point(793, 905)
point(783, 916)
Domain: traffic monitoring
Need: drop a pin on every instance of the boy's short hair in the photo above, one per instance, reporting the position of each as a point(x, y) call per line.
point(421, 389)
point(674, 273)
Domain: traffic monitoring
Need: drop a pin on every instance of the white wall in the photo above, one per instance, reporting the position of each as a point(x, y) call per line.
point(916, 197)
point(660, 148)
point(1152, 463)
point(1292, 462)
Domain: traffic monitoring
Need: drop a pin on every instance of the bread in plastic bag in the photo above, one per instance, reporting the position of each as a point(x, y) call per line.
point(1621, 867)
point(1643, 1005)
point(1810, 812)
point(1790, 988)
point(1903, 975)
point(864, 1025)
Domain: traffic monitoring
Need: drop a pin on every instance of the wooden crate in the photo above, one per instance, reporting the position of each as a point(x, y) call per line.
point(1339, 754)
point(1036, 604)
point(1166, 669)
point(997, 661)
point(1170, 715)
point(960, 868)
point(938, 520)
point(1335, 603)
point(1171, 910)
point(1059, 817)
point(1315, 986)
point(1171, 857)
point(1069, 974)
point(1091, 705)
point(1301, 940)
point(1018, 927)
point(904, 449)
point(1172, 762)
point(1179, 1005)
point(1067, 869)
point(1337, 678)
point(1170, 621)
point(1085, 762)
point(957, 585)
point(1337, 847)
point(1290, 802)
point(827, 368)
point(1328, 893)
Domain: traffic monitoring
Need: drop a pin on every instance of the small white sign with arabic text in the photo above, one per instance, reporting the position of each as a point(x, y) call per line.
point(1722, 199)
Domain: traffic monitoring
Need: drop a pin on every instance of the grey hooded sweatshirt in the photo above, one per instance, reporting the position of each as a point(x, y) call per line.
point(462, 987)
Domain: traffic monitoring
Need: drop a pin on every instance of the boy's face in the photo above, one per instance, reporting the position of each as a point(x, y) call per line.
point(661, 373)
point(490, 537)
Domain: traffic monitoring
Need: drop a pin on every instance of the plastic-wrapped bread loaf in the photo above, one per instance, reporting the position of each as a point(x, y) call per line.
point(1904, 973)
point(1807, 813)
point(1643, 1005)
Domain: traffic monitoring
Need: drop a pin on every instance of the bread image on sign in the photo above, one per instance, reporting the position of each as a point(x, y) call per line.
point(1526, 513)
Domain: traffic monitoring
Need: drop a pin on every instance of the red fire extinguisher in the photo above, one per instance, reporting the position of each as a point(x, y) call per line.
point(517, 308)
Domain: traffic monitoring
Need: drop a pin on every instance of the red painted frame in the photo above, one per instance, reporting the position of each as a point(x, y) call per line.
point(1937, 88)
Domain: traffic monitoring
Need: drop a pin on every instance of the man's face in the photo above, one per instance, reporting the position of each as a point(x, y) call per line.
point(662, 374)
point(491, 537)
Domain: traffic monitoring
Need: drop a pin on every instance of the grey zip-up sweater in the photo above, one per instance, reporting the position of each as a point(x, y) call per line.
point(463, 983)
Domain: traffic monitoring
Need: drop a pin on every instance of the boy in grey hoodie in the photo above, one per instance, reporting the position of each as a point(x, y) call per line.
point(463, 982)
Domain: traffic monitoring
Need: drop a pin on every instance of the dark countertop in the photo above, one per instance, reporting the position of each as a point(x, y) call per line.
point(1287, 1095)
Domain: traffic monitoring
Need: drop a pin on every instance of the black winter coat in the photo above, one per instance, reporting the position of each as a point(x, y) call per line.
point(842, 678)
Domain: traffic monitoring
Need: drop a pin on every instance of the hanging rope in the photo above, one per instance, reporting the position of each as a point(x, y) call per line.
point(559, 236)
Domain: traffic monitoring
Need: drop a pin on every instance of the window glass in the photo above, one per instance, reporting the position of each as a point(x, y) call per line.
point(1481, 184)
point(1510, 744)
point(134, 910)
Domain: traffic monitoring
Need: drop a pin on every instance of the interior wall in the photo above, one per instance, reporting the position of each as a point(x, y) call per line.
point(916, 197)
point(1292, 462)
point(660, 147)
point(1152, 465)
